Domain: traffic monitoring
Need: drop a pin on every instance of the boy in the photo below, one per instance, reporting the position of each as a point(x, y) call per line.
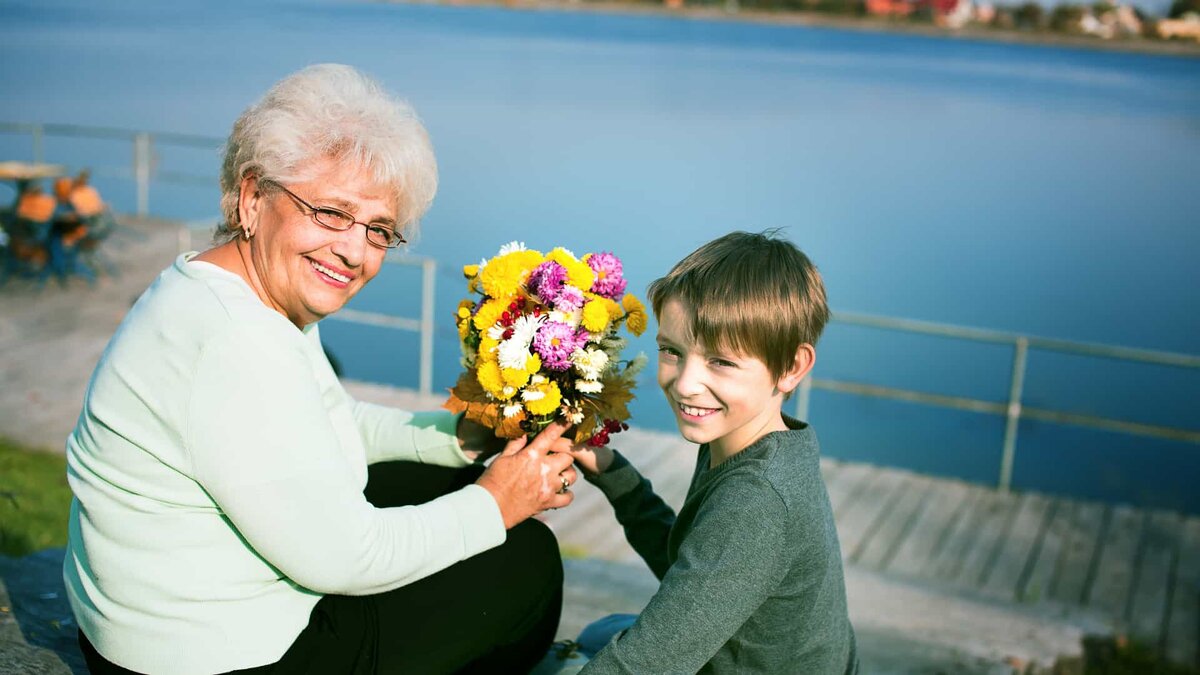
point(750, 569)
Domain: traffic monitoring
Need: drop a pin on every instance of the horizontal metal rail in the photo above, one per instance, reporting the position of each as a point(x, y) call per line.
point(1013, 409)
point(144, 168)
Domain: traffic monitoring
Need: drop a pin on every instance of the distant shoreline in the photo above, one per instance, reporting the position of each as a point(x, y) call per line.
point(822, 20)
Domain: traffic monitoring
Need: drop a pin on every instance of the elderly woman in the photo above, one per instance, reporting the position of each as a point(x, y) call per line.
point(219, 467)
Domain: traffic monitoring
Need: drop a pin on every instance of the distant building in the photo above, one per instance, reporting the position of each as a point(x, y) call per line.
point(903, 8)
point(1186, 27)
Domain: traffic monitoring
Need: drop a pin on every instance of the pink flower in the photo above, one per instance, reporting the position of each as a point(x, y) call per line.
point(546, 281)
point(554, 343)
point(610, 282)
point(569, 299)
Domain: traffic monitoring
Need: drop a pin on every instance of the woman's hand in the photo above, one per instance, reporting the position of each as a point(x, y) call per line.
point(592, 460)
point(531, 476)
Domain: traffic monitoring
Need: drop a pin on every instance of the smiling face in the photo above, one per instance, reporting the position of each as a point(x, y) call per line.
point(726, 400)
point(299, 268)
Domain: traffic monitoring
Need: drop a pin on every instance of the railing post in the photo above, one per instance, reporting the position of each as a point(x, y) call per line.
point(142, 160)
point(425, 383)
point(1014, 413)
point(39, 149)
point(802, 397)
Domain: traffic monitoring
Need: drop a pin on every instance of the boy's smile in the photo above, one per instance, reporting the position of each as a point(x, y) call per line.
point(726, 400)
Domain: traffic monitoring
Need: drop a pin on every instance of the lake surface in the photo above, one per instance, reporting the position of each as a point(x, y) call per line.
point(1046, 191)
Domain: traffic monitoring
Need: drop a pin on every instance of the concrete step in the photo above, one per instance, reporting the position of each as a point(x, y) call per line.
point(17, 656)
point(901, 627)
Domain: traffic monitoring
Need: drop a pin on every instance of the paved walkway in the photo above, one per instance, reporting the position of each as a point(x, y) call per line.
point(942, 575)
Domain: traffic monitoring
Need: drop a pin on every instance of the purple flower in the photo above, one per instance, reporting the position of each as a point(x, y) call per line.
point(609, 280)
point(554, 343)
point(546, 280)
point(569, 299)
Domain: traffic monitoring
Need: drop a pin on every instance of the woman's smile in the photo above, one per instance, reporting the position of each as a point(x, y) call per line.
point(332, 275)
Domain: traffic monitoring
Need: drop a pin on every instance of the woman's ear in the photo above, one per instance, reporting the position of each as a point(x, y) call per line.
point(802, 365)
point(250, 205)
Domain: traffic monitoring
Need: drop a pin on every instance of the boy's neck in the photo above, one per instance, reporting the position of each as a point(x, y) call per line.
point(721, 449)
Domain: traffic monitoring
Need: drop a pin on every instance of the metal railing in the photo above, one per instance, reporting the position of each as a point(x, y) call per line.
point(1013, 410)
point(143, 170)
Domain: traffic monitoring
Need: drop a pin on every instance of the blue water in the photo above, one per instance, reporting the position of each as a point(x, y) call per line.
point(1047, 191)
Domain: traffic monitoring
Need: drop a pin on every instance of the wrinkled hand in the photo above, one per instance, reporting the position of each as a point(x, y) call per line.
point(592, 460)
point(528, 476)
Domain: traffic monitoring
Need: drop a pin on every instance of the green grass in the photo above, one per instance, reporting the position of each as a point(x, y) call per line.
point(34, 499)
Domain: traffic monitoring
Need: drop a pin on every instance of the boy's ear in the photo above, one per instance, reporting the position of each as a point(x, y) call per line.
point(806, 358)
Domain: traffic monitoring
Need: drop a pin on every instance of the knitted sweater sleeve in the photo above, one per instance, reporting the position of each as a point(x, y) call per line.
point(728, 564)
point(393, 434)
point(266, 449)
point(645, 516)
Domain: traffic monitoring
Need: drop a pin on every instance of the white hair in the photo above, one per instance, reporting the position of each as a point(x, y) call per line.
point(330, 111)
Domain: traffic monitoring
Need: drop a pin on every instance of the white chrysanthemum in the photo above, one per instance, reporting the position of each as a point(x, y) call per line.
point(514, 352)
point(496, 332)
point(511, 247)
point(512, 409)
point(572, 319)
point(537, 379)
point(589, 362)
point(588, 386)
point(509, 391)
point(526, 326)
point(533, 395)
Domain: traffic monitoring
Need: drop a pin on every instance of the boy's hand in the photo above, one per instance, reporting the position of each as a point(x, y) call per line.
point(592, 460)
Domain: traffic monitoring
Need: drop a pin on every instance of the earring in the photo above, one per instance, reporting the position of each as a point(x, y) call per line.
point(245, 234)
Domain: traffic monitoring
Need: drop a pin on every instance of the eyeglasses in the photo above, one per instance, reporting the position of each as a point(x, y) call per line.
point(334, 219)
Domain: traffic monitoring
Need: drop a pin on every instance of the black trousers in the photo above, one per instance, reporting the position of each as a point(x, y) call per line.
point(496, 612)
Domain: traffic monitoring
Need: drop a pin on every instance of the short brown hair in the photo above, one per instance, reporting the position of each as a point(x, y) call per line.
point(755, 294)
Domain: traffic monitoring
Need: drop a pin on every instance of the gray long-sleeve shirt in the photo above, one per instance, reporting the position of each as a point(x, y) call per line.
point(750, 569)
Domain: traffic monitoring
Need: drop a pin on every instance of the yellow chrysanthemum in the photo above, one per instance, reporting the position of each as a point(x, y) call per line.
point(490, 378)
point(595, 316)
point(470, 270)
point(503, 275)
point(533, 364)
point(548, 403)
point(635, 314)
point(462, 318)
point(487, 348)
point(489, 314)
point(579, 274)
point(514, 377)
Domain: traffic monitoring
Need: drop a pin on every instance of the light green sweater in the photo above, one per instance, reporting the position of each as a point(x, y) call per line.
point(218, 469)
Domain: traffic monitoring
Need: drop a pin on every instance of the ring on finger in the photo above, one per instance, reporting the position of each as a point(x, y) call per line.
point(566, 484)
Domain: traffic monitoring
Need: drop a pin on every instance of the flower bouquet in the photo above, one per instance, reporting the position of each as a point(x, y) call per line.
point(542, 343)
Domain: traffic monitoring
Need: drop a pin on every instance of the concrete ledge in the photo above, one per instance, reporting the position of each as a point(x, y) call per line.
point(17, 655)
point(901, 627)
